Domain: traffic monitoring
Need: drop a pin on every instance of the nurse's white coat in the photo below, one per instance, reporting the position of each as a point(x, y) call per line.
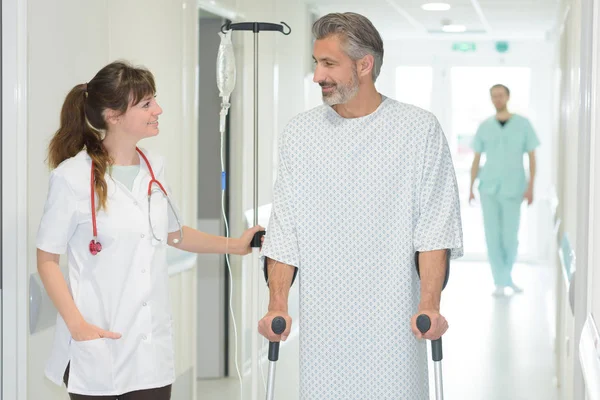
point(124, 288)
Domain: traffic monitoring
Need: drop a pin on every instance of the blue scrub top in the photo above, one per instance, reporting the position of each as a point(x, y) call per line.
point(503, 173)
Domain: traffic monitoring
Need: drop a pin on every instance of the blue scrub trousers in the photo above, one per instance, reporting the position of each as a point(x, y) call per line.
point(501, 218)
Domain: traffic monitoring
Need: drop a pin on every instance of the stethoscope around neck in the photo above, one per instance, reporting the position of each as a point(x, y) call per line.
point(95, 245)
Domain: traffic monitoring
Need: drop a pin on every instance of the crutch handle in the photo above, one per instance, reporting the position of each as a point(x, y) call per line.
point(423, 324)
point(278, 326)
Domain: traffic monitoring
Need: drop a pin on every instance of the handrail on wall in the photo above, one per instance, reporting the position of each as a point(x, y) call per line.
point(569, 269)
point(567, 258)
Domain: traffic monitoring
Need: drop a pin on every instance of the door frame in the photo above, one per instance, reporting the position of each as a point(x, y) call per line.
point(14, 200)
point(584, 228)
point(594, 162)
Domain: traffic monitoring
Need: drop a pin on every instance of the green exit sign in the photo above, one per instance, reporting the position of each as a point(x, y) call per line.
point(464, 46)
point(502, 47)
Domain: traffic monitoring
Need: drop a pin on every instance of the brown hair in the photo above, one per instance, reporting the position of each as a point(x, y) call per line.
point(82, 121)
point(498, 86)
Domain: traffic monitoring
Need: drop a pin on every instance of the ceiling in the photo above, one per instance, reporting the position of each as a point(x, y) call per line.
point(494, 19)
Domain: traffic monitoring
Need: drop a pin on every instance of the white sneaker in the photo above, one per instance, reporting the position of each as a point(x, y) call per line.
point(498, 292)
point(516, 289)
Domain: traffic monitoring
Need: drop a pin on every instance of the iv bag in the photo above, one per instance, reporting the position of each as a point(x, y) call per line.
point(225, 66)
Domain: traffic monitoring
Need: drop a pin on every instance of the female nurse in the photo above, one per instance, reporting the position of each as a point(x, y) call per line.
point(114, 333)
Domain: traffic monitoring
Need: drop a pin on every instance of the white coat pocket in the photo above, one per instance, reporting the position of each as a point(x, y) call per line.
point(91, 367)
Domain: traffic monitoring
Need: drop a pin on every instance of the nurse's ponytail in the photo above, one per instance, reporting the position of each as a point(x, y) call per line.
point(82, 121)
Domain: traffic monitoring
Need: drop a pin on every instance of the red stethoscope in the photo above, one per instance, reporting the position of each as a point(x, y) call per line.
point(95, 245)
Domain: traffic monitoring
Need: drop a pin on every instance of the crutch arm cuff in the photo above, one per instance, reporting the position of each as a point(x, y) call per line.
point(266, 272)
point(448, 253)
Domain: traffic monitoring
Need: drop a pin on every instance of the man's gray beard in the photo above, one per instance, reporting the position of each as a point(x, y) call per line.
point(343, 94)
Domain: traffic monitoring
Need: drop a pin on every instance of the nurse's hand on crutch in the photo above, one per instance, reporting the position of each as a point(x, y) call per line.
point(278, 326)
point(424, 323)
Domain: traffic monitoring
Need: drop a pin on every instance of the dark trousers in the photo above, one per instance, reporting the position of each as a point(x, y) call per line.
point(163, 393)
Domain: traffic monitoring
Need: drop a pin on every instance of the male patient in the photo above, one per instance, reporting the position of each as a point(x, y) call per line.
point(364, 182)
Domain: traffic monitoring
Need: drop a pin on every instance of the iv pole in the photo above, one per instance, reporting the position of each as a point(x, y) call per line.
point(255, 27)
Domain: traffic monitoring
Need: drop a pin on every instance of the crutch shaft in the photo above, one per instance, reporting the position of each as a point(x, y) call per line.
point(271, 382)
point(439, 384)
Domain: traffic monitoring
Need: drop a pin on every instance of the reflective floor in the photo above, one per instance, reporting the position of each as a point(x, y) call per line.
point(499, 348)
point(495, 349)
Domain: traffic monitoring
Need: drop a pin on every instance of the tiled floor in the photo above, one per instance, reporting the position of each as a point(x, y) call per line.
point(495, 349)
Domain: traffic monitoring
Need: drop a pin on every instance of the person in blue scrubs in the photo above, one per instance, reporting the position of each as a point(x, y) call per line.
point(503, 186)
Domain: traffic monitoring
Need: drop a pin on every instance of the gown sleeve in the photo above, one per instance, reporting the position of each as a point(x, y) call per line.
point(281, 241)
point(439, 222)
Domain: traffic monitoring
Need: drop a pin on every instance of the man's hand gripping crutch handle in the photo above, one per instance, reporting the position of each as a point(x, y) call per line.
point(278, 326)
point(424, 323)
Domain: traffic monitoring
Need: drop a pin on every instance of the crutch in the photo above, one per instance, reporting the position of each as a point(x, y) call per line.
point(256, 28)
point(278, 326)
point(423, 324)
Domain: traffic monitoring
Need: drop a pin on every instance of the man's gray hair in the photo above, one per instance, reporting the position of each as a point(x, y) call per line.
point(359, 36)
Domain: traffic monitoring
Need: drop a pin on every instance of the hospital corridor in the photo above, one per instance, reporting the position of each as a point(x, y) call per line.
point(182, 180)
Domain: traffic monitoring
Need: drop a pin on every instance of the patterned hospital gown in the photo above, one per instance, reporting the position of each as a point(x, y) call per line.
point(353, 200)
